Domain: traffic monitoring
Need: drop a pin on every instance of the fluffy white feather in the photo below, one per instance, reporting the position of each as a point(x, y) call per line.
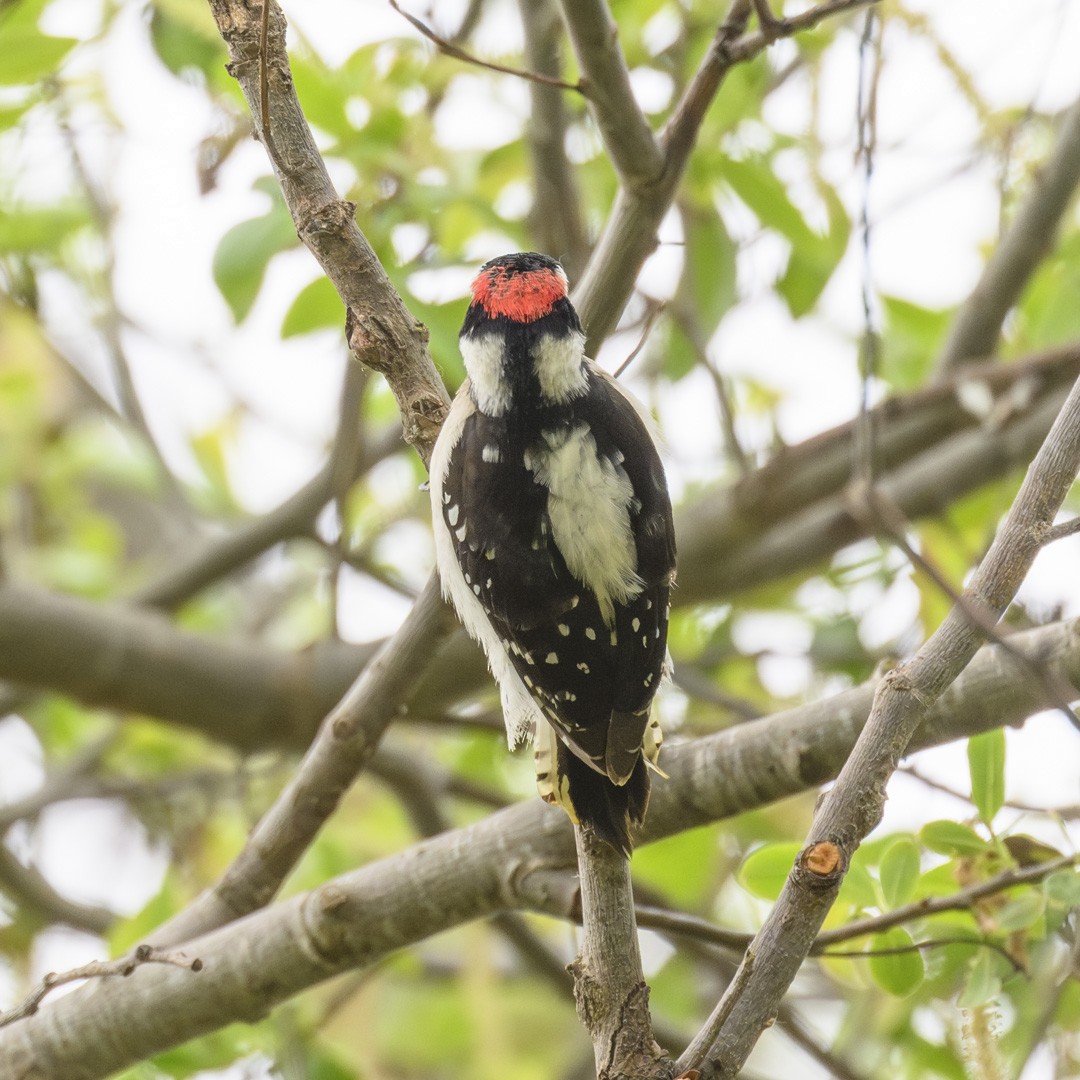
point(589, 507)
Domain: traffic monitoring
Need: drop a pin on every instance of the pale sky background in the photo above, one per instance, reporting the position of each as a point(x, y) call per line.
point(934, 211)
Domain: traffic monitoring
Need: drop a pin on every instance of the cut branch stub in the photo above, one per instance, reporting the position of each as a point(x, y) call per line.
point(823, 863)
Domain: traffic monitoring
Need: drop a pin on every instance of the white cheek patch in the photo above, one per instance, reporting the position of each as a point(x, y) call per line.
point(483, 356)
point(589, 498)
point(559, 367)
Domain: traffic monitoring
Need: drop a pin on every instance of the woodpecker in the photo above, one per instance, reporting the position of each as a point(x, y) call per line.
point(554, 542)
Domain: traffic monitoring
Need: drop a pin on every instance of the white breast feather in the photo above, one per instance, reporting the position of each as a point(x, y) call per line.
point(589, 507)
point(519, 711)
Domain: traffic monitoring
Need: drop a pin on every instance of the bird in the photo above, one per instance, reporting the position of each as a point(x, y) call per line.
point(554, 543)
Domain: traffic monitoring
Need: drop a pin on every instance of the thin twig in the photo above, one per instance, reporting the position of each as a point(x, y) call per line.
point(652, 313)
point(853, 806)
point(933, 905)
point(97, 969)
point(862, 446)
point(1062, 530)
point(458, 53)
point(891, 519)
point(924, 946)
point(1028, 240)
point(1064, 812)
point(687, 321)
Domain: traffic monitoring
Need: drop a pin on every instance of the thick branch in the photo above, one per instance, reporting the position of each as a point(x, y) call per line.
point(1030, 236)
point(784, 518)
point(511, 859)
point(609, 985)
point(381, 331)
point(626, 133)
point(854, 805)
point(346, 741)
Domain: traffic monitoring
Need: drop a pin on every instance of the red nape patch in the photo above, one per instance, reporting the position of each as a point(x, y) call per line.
point(523, 296)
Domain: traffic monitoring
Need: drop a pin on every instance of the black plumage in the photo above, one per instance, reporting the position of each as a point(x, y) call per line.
point(593, 681)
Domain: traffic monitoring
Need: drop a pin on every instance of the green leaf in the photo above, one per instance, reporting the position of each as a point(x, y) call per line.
point(317, 307)
point(765, 870)
point(814, 256)
point(899, 872)
point(34, 230)
point(684, 866)
point(761, 190)
point(912, 337)
point(29, 55)
point(898, 973)
point(245, 251)
point(708, 282)
point(1021, 912)
point(812, 262)
point(983, 981)
point(859, 890)
point(185, 39)
point(706, 289)
point(1063, 888)
point(10, 115)
point(952, 838)
point(986, 760)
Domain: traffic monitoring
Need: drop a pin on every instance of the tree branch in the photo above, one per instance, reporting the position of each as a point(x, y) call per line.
point(609, 985)
point(626, 133)
point(556, 216)
point(380, 330)
point(28, 887)
point(346, 741)
point(629, 235)
point(975, 330)
point(853, 806)
point(448, 48)
point(784, 518)
point(515, 858)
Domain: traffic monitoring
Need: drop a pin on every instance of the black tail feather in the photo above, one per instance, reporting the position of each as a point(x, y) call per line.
point(610, 810)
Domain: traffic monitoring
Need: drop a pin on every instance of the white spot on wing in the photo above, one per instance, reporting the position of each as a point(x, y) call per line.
point(491, 454)
point(590, 633)
point(564, 629)
point(551, 658)
point(452, 515)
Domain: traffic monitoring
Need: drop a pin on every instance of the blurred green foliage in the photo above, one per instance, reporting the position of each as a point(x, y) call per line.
point(86, 508)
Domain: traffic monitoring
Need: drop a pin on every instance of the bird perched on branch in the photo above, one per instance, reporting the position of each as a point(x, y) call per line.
point(554, 542)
